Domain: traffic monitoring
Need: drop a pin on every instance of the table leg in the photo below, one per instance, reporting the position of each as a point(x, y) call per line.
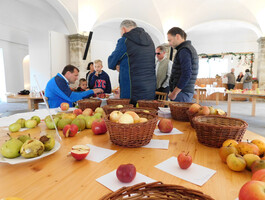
point(229, 105)
point(253, 106)
point(197, 97)
point(217, 98)
point(30, 104)
point(36, 104)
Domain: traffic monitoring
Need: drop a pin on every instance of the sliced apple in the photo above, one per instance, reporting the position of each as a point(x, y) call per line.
point(80, 152)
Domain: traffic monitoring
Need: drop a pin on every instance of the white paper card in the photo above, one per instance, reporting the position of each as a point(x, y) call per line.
point(195, 174)
point(97, 154)
point(157, 144)
point(164, 109)
point(173, 132)
point(111, 181)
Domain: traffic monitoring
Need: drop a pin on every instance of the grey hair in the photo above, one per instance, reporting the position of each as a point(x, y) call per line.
point(162, 48)
point(128, 24)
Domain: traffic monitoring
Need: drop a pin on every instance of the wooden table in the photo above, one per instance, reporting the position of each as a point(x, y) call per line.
point(33, 102)
point(201, 93)
point(59, 176)
point(252, 95)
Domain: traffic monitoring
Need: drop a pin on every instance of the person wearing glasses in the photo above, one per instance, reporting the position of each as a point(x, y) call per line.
point(185, 66)
point(135, 56)
point(163, 70)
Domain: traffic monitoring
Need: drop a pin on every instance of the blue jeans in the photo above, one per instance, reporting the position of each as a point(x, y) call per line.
point(184, 97)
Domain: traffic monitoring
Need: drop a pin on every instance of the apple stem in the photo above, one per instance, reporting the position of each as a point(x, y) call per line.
point(187, 153)
point(9, 135)
point(229, 145)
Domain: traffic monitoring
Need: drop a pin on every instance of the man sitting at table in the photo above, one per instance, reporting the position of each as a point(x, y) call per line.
point(58, 91)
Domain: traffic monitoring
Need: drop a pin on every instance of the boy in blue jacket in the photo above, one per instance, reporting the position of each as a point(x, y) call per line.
point(58, 91)
point(100, 79)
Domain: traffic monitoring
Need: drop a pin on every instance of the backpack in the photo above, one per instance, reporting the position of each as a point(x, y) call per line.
point(248, 79)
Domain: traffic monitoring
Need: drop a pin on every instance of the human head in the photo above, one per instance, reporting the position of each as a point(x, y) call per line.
point(98, 65)
point(90, 66)
point(247, 70)
point(160, 52)
point(83, 83)
point(233, 70)
point(70, 72)
point(127, 25)
point(176, 36)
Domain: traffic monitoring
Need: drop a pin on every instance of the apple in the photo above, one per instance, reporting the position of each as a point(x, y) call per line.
point(184, 160)
point(236, 162)
point(136, 117)
point(230, 142)
point(71, 116)
point(119, 106)
point(250, 158)
point(89, 120)
point(80, 152)
point(213, 111)
point(260, 144)
point(99, 127)
point(226, 151)
point(37, 118)
point(31, 123)
point(252, 190)
point(81, 123)
point(88, 112)
point(247, 147)
point(70, 130)
point(204, 110)
point(259, 175)
point(64, 106)
point(165, 125)
point(50, 124)
point(101, 111)
point(257, 165)
point(220, 112)
point(115, 116)
point(194, 108)
point(126, 119)
point(77, 111)
point(63, 122)
point(126, 173)
point(142, 119)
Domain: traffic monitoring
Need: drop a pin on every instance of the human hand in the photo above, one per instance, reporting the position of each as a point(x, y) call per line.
point(172, 96)
point(98, 90)
point(118, 68)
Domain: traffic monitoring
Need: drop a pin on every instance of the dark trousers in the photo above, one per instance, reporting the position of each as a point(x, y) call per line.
point(230, 86)
point(161, 89)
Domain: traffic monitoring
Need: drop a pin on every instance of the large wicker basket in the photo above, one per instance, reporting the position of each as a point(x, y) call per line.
point(118, 101)
point(214, 130)
point(150, 103)
point(89, 103)
point(142, 109)
point(109, 108)
point(156, 191)
point(132, 135)
point(179, 111)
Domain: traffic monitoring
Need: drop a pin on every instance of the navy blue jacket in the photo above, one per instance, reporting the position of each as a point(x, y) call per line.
point(58, 91)
point(135, 53)
point(101, 81)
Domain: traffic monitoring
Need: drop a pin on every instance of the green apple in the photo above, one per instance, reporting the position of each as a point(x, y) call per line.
point(10, 149)
point(50, 124)
point(32, 148)
point(14, 127)
point(21, 121)
point(37, 118)
point(62, 122)
point(24, 138)
point(97, 115)
point(81, 123)
point(30, 123)
point(48, 142)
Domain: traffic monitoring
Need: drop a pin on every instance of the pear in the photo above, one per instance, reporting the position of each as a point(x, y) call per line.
point(21, 121)
point(48, 141)
point(14, 127)
point(11, 148)
point(24, 138)
point(32, 148)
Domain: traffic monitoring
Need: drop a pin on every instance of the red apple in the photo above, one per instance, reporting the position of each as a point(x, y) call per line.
point(259, 175)
point(126, 173)
point(64, 106)
point(77, 111)
point(257, 165)
point(194, 108)
point(165, 125)
point(70, 130)
point(80, 152)
point(204, 110)
point(252, 190)
point(99, 127)
point(184, 160)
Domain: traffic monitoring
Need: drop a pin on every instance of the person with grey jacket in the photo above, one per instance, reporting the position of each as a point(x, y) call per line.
point(247, 80)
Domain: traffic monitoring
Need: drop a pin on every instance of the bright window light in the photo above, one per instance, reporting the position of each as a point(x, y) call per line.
point(2, 78)
point(210, 68)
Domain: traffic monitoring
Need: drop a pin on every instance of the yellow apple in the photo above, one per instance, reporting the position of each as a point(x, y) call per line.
point(247, 147)
point(250, 158)
point(261, 146)
point(115, 116)
point(230, 142)
point(194, 108)
point(126, 119)
point(236, 162)
point(136, 117)
point(220, 112)
point(142, 119)
point(226, 151)
point(119, 106)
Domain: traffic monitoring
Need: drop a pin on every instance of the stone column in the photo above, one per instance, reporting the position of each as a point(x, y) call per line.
point(77, 45)
point(261, 62)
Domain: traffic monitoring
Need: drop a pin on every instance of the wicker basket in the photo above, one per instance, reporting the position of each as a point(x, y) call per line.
point(89, 103)
point(214, 130)
point(156, 191)
point(150, 103)
point(132, 135)
point(141, 109)
point(109, 108)
point(118, 101)
point(179, 111)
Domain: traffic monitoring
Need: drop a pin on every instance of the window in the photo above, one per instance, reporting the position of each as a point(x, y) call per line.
point(209, 68)
point(2, 78)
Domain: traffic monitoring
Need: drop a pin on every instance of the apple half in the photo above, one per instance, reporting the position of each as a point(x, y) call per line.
point(80, 152)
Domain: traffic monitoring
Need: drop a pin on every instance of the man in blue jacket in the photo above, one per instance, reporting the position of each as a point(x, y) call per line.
point(58, 91)
point(135, 54)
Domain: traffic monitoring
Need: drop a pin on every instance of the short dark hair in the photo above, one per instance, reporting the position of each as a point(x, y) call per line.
point(69, 68)
point(176, 30)
point(88, 65)
point(81, 80)
point(247, 70)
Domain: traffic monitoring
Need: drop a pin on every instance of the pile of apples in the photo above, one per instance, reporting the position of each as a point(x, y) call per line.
point(129, 117)
point(205, 110)
point(22, 123)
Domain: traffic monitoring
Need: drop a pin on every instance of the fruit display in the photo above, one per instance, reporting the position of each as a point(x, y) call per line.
point(205, 110)
point(129, 117)
point(126, 173)
point(165, 125)
point(184, 160)
point(80, 152)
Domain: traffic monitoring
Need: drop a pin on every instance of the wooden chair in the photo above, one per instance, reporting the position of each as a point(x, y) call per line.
point(161, 95)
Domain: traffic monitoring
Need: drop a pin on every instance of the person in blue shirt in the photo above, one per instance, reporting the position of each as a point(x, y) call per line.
point(185, 66)
point(58, 91)
point(100, 79)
